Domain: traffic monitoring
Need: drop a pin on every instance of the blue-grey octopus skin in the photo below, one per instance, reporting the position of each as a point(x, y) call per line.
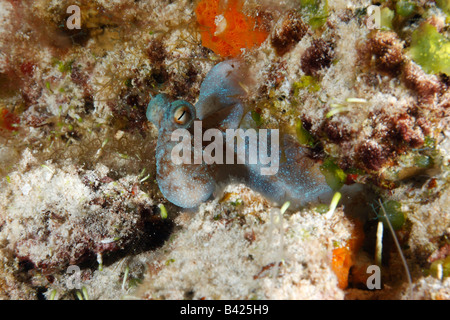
point(220, 106)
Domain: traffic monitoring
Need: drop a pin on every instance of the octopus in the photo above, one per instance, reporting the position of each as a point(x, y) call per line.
point(221, 106)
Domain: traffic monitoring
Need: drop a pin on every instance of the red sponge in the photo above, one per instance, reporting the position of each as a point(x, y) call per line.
point(226, 30)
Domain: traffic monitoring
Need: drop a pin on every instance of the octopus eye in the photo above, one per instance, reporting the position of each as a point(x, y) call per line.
point(182, 115)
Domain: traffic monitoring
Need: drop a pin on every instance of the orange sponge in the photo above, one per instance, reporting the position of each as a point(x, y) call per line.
point(344, 257)
point(225, 29)
point(342, 262)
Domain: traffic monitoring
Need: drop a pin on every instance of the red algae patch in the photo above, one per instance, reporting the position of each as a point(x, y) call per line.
point(8, 120)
